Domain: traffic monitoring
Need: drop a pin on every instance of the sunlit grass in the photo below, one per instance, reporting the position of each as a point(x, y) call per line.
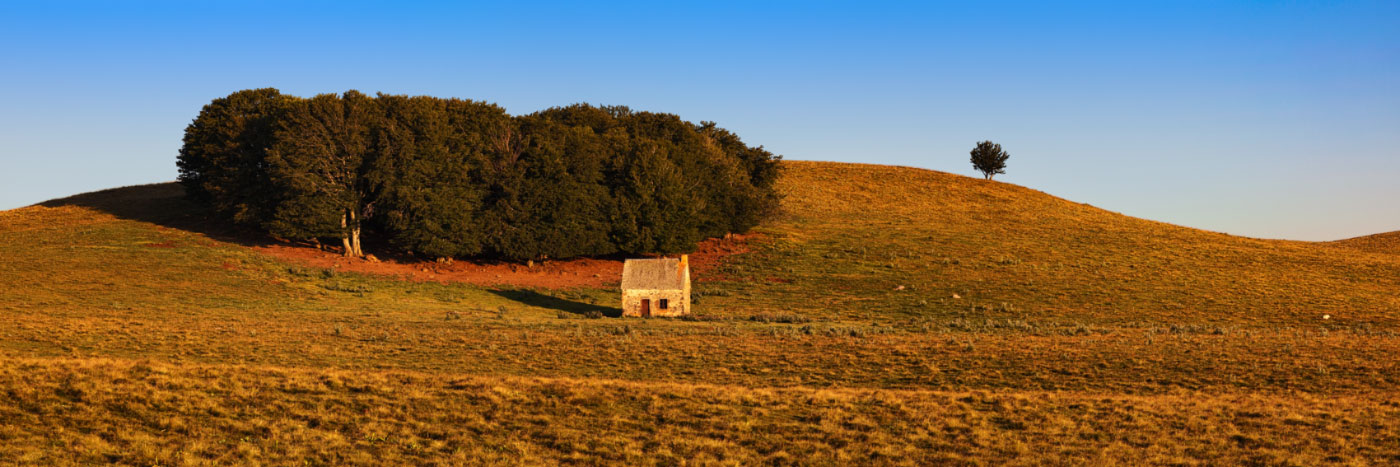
point(889, 315)
point(143, 412)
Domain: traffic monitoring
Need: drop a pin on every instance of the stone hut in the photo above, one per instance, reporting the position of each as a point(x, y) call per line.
point(656, 287)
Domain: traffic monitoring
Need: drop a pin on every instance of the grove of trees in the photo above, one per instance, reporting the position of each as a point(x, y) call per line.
point(460, 178)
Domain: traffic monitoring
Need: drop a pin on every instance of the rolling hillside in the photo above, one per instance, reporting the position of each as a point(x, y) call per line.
point(1027, 255)
point(1386, 243)
point(890, 315)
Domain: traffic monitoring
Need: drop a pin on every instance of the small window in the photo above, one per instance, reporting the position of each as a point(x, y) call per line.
point(665, 303)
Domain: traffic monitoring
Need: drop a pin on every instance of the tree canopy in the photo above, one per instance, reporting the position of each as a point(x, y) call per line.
point(460, 178)
point(989, 159)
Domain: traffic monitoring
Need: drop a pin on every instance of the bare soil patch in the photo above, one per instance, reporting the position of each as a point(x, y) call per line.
point(555, 274)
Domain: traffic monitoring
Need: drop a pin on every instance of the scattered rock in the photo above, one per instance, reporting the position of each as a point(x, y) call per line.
point(1326, 316)
point(371, 258)
point(956, 296)
point(899, 288)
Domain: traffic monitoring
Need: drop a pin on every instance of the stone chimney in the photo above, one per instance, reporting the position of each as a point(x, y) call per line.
point(685, 264)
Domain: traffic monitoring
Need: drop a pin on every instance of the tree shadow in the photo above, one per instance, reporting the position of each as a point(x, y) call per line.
point(533, 298)
point(165, 205)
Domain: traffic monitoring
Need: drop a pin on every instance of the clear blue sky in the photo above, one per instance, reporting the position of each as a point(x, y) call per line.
point(1267, 119)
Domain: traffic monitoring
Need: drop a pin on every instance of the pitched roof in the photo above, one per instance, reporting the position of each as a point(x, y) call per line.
point(652, 274)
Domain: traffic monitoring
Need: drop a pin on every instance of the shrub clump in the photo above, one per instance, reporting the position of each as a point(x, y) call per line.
point(781, 318)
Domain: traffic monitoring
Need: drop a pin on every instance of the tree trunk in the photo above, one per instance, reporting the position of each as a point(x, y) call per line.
point(346, 246)
point(354, 235)
point(355, 241)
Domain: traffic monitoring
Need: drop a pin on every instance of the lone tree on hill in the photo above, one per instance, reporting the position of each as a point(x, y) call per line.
point(989, 159)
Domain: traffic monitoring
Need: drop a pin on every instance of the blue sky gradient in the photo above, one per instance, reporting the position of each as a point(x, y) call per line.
point(1266, 119)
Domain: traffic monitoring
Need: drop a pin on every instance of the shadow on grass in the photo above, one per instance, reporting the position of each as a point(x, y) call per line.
point(162, 204)
point(165, 205)
point(533, 298)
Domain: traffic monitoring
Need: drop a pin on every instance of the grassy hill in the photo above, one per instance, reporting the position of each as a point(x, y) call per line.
point(1012, 252)
point(1385, 243)
point(890, 315)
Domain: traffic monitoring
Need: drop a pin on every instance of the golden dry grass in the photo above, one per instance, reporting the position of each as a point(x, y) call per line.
point(137, 334)
point(1385, 243)
point(870, 229)
point(142, 412)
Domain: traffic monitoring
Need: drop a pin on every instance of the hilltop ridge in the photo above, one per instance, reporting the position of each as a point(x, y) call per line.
point(1388, 243)
point(1004, 246)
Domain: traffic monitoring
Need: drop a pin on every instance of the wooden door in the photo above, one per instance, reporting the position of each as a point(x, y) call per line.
point(646, 307)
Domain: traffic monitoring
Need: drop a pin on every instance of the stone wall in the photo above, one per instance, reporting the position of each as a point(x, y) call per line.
point(679, 302)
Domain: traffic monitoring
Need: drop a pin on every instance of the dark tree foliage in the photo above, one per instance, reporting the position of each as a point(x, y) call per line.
point(599, 119)
point(223, 160)
point(654, 206)
point(673, 182)
point(552, 201)
point(434, 161)
point(451, 178)
point(318, 167)
point(989, 159)
point(746, 204)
